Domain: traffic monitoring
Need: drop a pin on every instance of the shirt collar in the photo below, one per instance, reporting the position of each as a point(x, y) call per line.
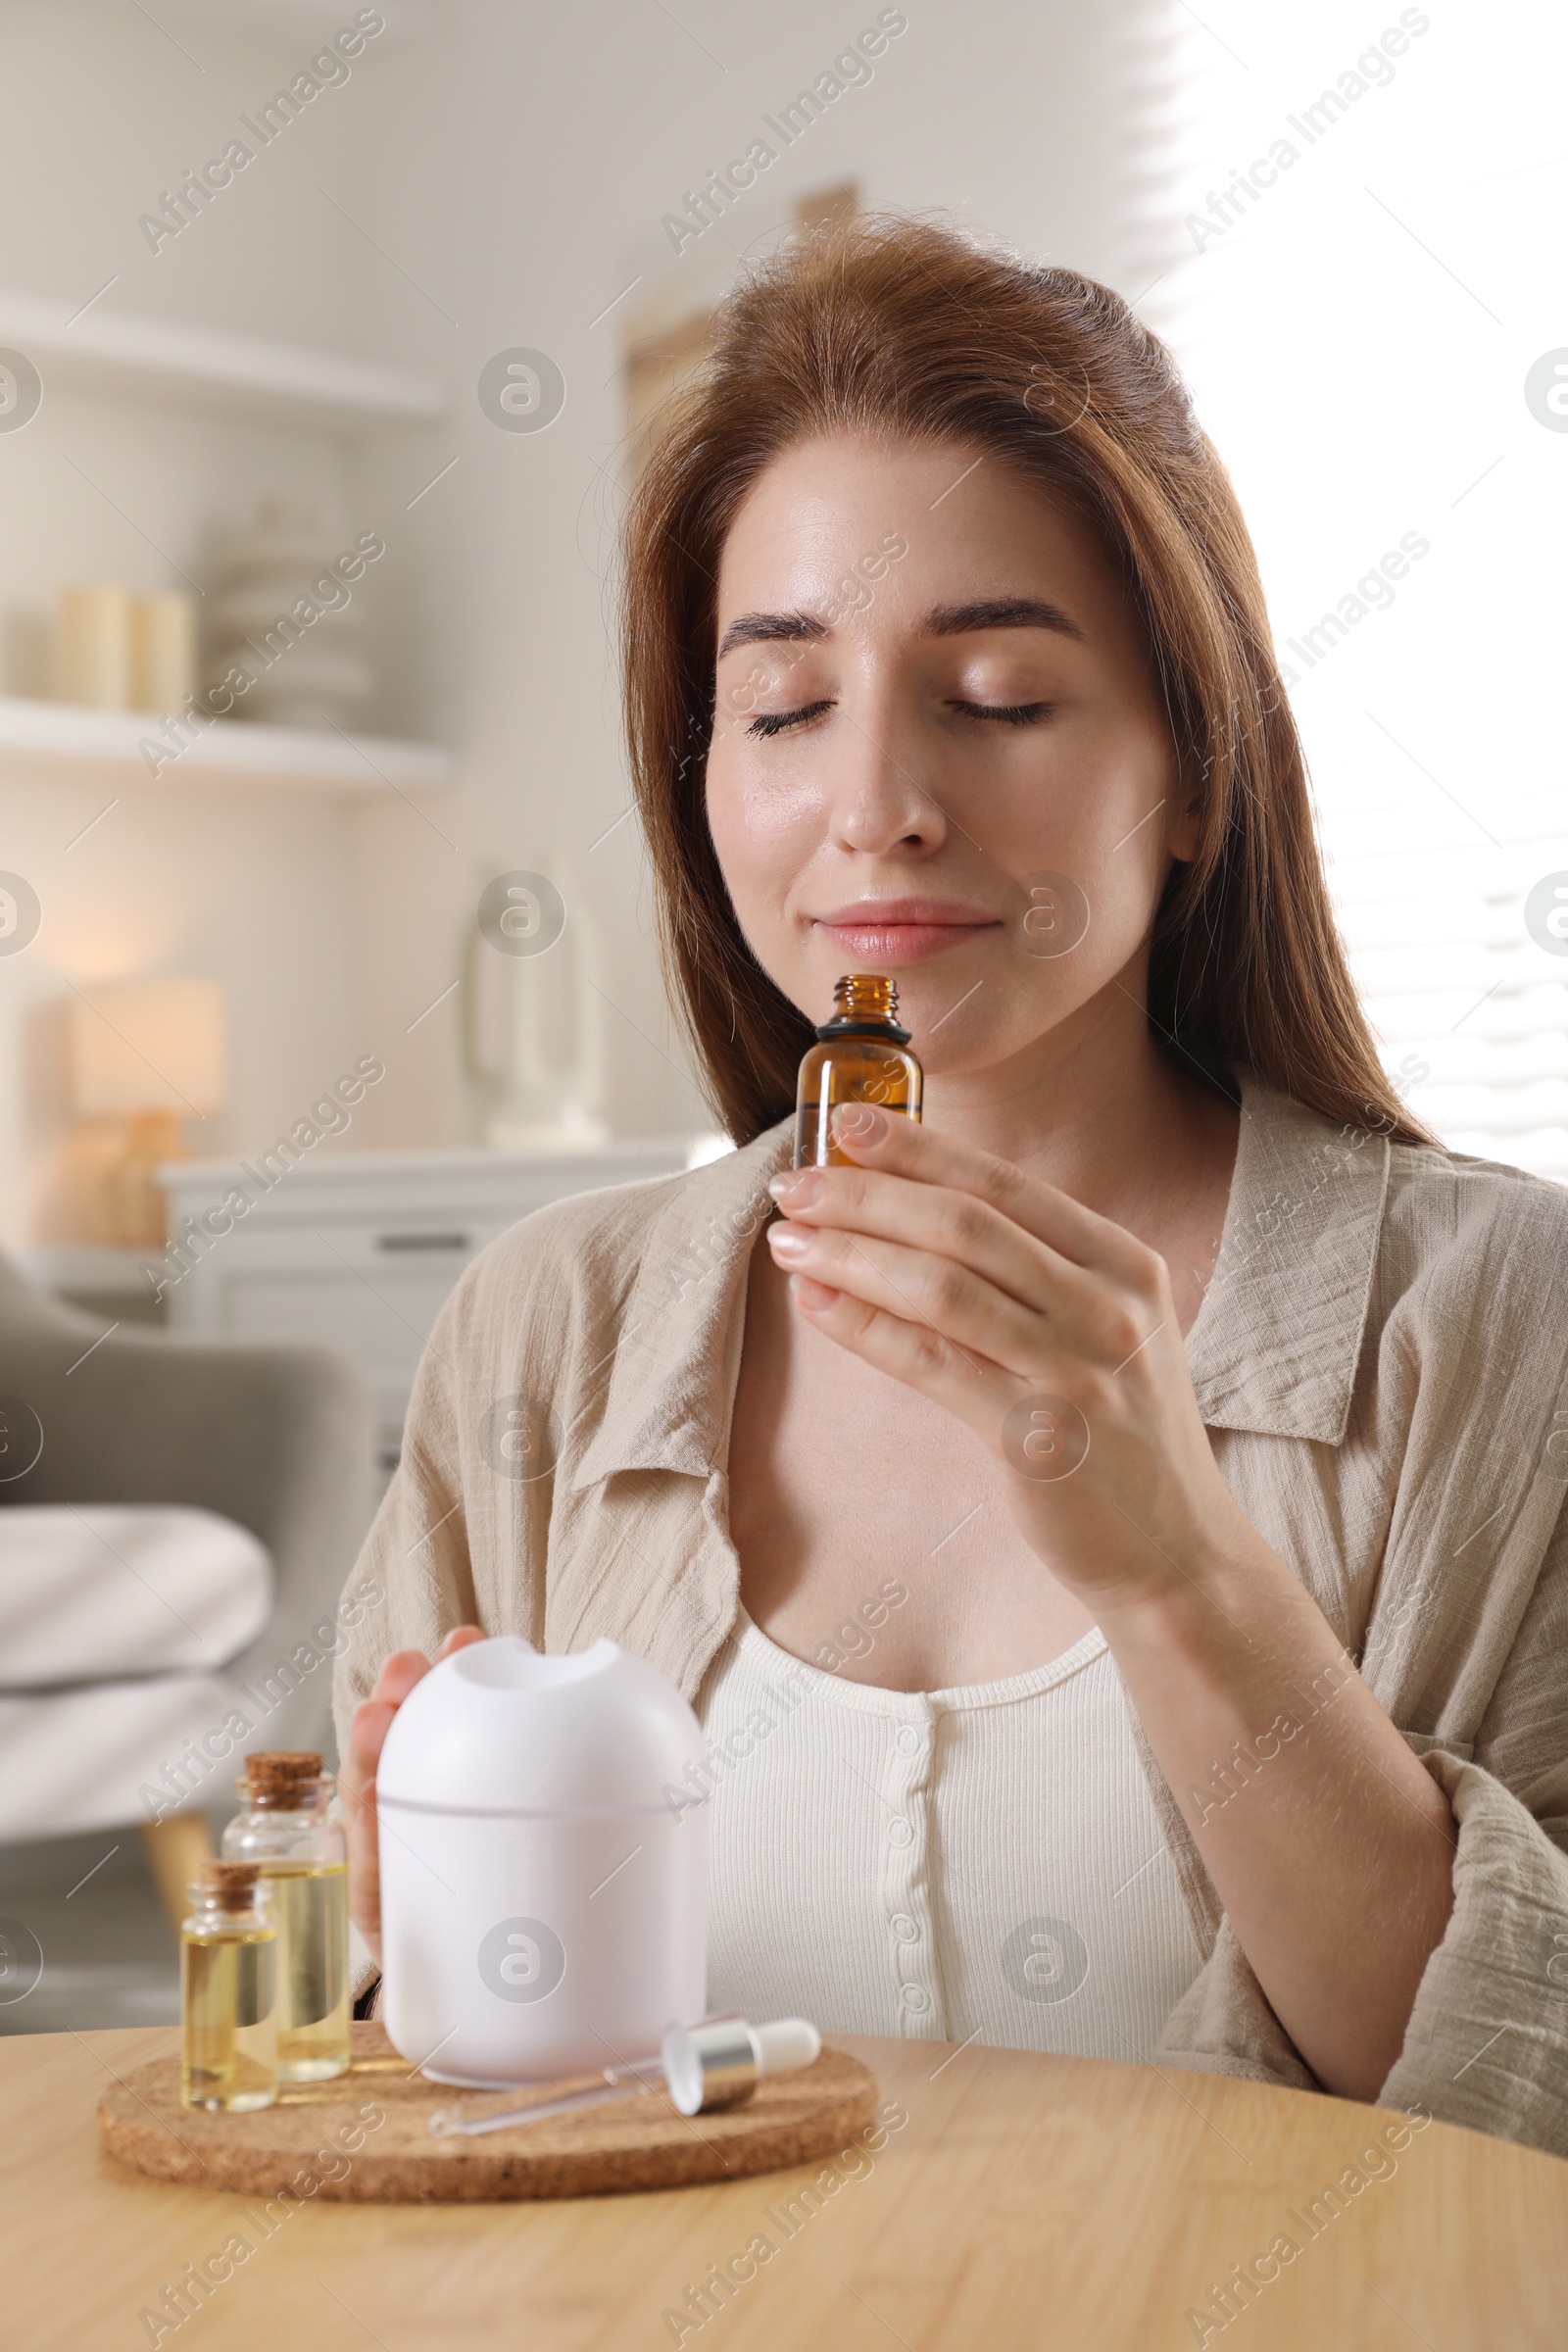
point(674, 1368)
point(1278, 1337)
point(1274, 1349)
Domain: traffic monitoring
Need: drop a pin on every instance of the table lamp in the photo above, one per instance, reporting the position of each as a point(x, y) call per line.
point(148, 1053)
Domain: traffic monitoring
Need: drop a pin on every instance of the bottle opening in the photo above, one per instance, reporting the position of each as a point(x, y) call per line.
point(865, 997)
point(509, 1663)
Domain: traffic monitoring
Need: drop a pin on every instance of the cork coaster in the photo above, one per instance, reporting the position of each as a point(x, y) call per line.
point(363, 2139)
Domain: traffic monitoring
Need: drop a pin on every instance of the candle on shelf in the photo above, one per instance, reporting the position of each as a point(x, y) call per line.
point(162, 650)
point(93, 646)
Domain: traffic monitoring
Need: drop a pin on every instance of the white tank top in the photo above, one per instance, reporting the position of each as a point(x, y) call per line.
point(978, 1864)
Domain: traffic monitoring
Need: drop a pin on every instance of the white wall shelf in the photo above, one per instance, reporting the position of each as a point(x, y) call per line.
point(112, 350)
point(106, 745)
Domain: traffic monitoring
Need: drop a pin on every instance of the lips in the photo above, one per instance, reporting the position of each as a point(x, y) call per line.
point(902, 931)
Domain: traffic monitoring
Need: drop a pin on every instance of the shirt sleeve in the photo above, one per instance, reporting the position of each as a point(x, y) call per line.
point(1485, 2035)
point(414, 1580)
point(1486, 2038)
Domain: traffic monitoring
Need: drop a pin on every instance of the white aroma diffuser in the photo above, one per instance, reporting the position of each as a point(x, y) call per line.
point(543, 1866)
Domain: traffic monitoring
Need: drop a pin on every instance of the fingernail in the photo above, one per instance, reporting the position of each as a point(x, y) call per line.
point(797, 1187)
point(859, 1123)
point(786, 1242)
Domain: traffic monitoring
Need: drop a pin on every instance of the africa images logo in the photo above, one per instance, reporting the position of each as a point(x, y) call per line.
point(1546, 913)
point(523, 1960)
point(1546, 391)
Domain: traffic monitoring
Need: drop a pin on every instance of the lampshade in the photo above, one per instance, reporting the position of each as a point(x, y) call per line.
point(150, 1046)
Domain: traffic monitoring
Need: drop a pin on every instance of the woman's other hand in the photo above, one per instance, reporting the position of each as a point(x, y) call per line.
point(373, 1720)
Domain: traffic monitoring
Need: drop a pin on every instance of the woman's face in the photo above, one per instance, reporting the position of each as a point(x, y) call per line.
point(938, 749)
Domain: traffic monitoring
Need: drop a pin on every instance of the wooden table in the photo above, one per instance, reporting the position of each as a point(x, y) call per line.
point(1024, 2201)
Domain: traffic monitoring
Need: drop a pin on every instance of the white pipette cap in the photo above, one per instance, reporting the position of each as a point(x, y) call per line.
point(720, 2062)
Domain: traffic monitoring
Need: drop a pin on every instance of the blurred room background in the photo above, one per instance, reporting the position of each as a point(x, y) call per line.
point(329, 342)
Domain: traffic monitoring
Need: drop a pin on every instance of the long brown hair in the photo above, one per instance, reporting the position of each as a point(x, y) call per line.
point(904, 328)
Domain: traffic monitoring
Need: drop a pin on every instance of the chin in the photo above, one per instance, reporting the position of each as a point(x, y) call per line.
point(951, 1043)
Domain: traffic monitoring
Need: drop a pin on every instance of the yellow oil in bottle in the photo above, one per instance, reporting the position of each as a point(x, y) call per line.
point(860, 1056)
point(311, 1905)
point(228, 1988)
point(287, 1831)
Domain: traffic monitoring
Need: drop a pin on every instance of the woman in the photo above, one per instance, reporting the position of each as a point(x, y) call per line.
point(1109, 1532)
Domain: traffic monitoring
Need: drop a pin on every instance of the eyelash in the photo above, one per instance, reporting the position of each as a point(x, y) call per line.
point(1012, 714)
point(773, 722)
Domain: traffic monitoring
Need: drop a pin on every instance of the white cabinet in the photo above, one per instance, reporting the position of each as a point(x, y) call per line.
point(360, 1251)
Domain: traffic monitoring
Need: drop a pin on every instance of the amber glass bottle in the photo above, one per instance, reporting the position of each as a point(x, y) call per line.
point(861, 1056)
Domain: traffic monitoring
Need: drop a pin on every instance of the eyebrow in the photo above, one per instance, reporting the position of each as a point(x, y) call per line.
point(771, 628)
point(801, 627)
point(1001, 613)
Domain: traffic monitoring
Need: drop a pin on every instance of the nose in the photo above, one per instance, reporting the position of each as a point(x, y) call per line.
point(878, 800)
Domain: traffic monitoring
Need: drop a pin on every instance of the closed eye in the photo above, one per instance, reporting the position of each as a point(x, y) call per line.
point(1010, 714)
point(775, 722)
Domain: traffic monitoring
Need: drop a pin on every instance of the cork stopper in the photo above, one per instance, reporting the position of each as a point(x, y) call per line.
point(281, 1767)
point(230, 1886)
point(284, 1779)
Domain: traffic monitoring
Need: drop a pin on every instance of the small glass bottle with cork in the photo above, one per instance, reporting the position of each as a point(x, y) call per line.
point(286, 1828)
point(861, 1056)
point(227, 1992)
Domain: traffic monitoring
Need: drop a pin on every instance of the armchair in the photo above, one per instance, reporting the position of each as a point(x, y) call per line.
point(244, 1437)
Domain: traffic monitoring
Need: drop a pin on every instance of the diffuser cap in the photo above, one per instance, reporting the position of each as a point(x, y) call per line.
point(499, 1727)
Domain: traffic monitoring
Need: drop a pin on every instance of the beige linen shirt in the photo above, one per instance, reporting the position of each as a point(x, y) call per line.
point(1381, 1362)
